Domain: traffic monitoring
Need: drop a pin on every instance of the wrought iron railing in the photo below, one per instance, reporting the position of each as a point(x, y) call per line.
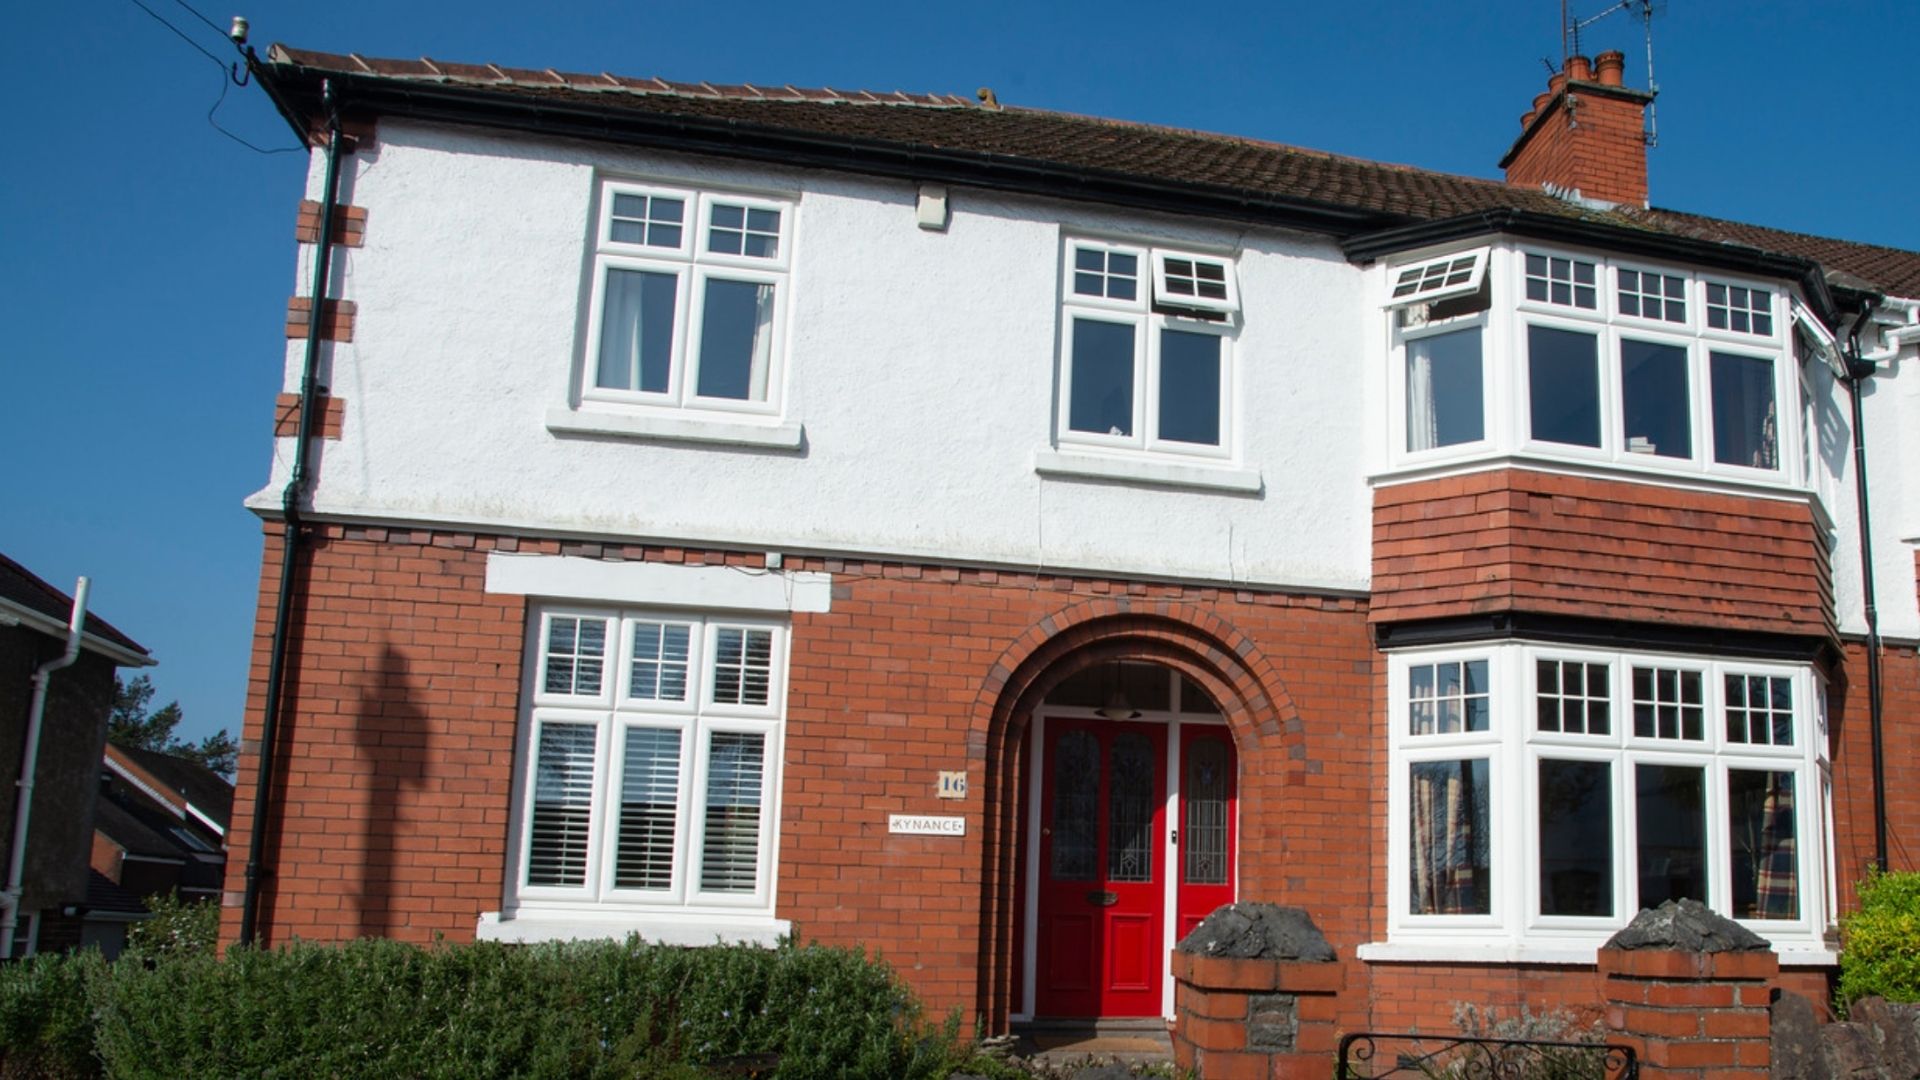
point(1365, 1055)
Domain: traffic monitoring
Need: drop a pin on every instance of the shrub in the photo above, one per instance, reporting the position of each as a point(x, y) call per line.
point(1880, 954)
point(177, 926)
point(46, 1027)
point(588, 1009)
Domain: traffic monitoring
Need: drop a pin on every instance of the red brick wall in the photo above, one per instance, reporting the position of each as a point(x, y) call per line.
point(328, 421)
point(397, 744)
point(1518, 540)
point(1852, 748)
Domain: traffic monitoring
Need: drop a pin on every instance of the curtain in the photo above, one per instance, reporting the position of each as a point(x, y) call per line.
point(621, 331)
point(1423, 425)
point(762, 344)
point(1776, 885)
point(1448, 838)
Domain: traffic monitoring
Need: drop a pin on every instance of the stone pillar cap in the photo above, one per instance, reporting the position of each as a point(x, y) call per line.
point(1688, 926)
point(1253, 931)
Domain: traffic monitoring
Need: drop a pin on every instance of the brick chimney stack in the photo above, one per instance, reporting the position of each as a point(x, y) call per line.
point(1585, 135)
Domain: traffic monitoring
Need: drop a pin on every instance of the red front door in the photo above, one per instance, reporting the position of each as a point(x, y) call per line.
point(1101, 949)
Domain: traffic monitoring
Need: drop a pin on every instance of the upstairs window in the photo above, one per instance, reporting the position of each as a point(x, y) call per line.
point(1558, 280)
point(1146, 351)
point(1739, 309)
point(688, 294)
point(652, 753)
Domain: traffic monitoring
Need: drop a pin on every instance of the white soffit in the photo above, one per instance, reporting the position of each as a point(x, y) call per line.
point(734, 588)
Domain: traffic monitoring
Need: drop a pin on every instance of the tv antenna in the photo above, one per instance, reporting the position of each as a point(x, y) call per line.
point(1571, 26)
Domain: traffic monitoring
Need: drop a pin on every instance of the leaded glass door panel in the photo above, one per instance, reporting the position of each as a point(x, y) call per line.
point(1205, 841)
point(1103, 869)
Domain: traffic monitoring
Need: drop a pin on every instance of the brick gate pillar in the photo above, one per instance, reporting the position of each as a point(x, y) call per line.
point(1690, 991)
point(1256, 989)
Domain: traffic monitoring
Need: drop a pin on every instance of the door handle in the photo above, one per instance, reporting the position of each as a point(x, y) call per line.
point(1103, 898)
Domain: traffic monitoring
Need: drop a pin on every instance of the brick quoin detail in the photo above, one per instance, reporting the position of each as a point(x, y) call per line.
point(337, 324)
point(286, 416)
point(1518, 540)
point(349, 224)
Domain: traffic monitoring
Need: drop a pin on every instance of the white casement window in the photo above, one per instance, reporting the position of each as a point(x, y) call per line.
point(1540, 796)
point(689, 299)
point(651, 751)
point(1146, 349)
point(1439, 310)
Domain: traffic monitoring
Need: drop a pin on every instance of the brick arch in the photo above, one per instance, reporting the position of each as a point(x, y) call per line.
point(1216, 655)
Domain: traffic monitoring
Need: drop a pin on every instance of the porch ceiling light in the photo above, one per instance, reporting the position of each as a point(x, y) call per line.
point(1117, 706)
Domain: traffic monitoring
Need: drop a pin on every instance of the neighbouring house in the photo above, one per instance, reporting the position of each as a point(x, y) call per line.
point(62, 904)
point(161, 824)
point(998, 537)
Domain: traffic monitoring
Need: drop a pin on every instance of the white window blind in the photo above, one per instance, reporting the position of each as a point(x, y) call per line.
point(730, 846)
point(649, 809)
point(558, 836)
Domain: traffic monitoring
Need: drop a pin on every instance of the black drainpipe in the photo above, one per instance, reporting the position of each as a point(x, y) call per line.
point(290, 516)
point(1859, 370)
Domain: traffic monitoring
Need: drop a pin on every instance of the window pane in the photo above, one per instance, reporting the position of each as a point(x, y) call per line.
point(649, 807)
point(576, 654)
point(1563, 385)
point(1203, 846)
point(1759, 710)
point(1076, 806)
point(1102, 376)
point(1444, 399)
point(1576, 838)
point(730, 844)
point(562, 805)
point(1760, 813)
point(636, 331)
point(1670, 809)
point(1667, 704)
point(1447, 838)
point(1572, 697)
point(742, 665)
point(1190, 387)
point(1745, 427)
point(736, 340)
point(659, 669)
point(1131, 797)
point(1653, 392)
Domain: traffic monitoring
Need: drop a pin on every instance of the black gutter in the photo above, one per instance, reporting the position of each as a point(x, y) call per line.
point(290, 500)
point(1858, 371)
point(1810, 276)
point(555, 117)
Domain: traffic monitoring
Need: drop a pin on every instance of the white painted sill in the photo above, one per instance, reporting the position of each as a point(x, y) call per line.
point(784, 435)
point(535, 927)
point(1391, 952)
point(1142, 471)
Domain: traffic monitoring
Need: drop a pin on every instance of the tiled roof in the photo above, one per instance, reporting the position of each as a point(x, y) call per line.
point(208, 791)
point(1383, 195)
point(25, 588)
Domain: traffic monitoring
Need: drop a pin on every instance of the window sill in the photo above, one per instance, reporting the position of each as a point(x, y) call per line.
point(1077, 465)
point(1791, 954)
point(656, 928)
point(784, 435)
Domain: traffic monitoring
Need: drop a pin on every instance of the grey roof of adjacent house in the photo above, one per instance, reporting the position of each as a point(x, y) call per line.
point(965, 141)
point(25, 589)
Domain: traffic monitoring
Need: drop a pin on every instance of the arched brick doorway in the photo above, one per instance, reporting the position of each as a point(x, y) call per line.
point(1195, 647)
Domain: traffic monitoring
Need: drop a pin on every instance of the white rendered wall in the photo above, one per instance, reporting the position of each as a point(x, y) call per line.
point(921, 365)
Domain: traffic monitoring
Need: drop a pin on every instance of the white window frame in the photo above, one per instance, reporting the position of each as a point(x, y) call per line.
point(691, 266)
point(1516, 927)
point(1506, 368)
point(1148, 314)
point(613, 712)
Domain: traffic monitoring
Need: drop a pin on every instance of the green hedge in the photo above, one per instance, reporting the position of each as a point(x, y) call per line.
point(1880, 954)
point(382, 1009)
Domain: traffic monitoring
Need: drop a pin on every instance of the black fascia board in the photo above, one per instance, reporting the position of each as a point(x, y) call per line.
point(1807, 273)
point(295, 90)
point(1606, 634)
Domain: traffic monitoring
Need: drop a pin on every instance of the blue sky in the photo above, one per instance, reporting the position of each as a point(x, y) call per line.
point(147, 259)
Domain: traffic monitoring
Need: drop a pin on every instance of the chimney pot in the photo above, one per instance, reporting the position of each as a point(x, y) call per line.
point(1579, 69)
point(1611, 65)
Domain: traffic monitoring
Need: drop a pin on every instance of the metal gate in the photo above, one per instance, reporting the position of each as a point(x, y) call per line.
point(1365, 1055)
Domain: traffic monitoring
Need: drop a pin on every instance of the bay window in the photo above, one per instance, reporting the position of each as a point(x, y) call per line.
point(1540, 796)
point(1585, 357)
point(650, 760)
